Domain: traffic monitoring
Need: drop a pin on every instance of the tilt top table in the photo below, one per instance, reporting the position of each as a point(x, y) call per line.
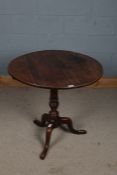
point(54, 70)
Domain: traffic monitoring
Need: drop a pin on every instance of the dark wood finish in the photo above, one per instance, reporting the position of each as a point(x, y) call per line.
point(55, 70)
point(53, 120)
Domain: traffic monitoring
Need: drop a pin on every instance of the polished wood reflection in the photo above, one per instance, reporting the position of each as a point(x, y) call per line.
point(55, 69)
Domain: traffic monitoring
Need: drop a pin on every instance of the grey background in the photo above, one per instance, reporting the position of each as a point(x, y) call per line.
point(86, 26)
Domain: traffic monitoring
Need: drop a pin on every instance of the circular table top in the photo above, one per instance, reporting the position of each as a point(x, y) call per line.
point(57, 69)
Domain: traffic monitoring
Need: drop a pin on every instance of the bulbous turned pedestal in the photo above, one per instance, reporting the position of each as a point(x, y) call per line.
point(53, 120)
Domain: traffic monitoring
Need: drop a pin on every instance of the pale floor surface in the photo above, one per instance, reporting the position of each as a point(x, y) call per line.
point(21, 141)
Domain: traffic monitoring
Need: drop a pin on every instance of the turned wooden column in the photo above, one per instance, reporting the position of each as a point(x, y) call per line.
point(53, 103)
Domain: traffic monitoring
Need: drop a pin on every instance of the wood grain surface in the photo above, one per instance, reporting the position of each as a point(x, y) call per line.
point(55, 69)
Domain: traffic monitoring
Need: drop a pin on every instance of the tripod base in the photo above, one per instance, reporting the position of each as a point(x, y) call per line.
point(52, 120)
